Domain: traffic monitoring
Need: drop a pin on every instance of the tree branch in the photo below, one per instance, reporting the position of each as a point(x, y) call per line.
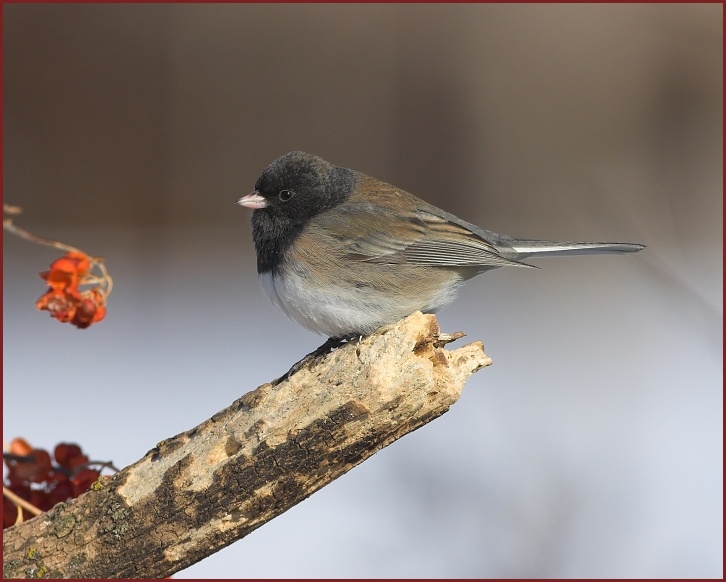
point(199, 491)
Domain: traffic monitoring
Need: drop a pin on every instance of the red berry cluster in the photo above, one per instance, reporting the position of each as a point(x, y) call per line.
point(64, 300)
point(33, 476)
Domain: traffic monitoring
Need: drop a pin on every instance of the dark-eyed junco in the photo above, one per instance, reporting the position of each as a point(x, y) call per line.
point(343, 253)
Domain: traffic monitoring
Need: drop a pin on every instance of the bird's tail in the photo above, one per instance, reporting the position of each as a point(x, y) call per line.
point(547, 248)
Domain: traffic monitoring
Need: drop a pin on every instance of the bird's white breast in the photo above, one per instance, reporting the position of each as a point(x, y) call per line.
point(336, 311)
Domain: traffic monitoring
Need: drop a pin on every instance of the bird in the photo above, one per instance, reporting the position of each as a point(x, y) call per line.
point(343, 253)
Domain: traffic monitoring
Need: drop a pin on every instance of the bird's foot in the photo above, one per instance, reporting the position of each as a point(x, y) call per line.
point(329, 346)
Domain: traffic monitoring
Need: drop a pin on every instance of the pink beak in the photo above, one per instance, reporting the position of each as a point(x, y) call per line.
point(254, 200)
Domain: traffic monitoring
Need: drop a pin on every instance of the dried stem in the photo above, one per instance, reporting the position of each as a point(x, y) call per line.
point(104, 279)
point(20, 502)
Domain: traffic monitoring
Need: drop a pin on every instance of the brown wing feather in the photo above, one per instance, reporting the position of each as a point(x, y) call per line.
point(380, 233)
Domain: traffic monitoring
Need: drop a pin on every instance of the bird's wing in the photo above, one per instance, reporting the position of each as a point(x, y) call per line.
point(451, 244)
point(377, 233)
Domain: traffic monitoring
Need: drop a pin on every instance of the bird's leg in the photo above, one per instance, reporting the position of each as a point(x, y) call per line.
point(331, 344)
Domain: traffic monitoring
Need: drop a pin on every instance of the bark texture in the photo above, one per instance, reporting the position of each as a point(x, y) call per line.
point(201, 490)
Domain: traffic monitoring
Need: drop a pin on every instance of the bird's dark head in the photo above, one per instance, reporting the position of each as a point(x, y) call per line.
point(297, 186)
point(290, 192)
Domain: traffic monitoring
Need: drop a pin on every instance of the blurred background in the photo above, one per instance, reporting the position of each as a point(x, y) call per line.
point(591, 448)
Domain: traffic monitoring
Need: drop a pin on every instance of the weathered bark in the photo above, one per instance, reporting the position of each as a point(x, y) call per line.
point(199, 491)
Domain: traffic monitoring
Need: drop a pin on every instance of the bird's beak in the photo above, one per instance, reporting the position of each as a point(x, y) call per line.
point(254, 200)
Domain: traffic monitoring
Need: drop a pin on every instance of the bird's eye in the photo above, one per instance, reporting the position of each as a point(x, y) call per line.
point(285, 195)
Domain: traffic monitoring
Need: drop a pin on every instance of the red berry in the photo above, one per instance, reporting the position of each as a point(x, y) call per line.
point(65, 452)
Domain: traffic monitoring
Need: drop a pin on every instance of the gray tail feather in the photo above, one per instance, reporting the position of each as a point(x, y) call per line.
point(547, 248)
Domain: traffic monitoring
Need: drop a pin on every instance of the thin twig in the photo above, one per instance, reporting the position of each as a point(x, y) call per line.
point(12, 210)
point(19, 501)
point(104, 465)
point(19, 458)
point(29, 236)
